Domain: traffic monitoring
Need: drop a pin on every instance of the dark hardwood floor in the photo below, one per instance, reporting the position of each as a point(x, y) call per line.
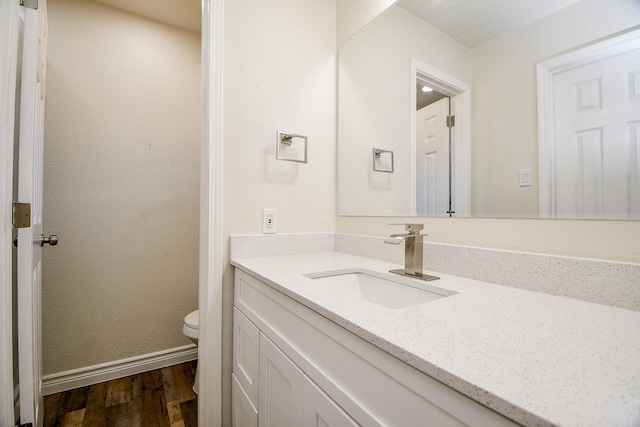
point(159, 398)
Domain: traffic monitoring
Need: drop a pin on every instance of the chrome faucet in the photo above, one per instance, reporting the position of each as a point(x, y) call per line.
point(413, 251)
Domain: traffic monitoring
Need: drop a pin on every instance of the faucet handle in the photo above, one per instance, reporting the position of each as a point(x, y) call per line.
point(411, 228)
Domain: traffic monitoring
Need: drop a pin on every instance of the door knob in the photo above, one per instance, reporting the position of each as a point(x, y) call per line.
point(52, 240)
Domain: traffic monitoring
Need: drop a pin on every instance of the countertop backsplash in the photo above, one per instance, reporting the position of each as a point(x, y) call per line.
point(605, 282)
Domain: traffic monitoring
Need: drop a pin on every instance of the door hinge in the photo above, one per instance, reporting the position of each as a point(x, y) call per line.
point(21, 215)
point(451, 121)
point(33, 4)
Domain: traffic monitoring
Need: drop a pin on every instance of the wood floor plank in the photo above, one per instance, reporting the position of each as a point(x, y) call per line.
point(169, 384)
point(127, 414)
point(136, 387)
point(94, 413)
point(158, 398)
point(53, 409)
point(118, 391)
point(77, 399)
point(73, 419)
point(154, 404)
point(175, 414)
point(189, 411)
point(183, 382)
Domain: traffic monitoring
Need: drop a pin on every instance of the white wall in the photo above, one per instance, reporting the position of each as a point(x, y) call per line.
point(279, 74)
point(504, 98)
point(122, 138)
point(375, 107)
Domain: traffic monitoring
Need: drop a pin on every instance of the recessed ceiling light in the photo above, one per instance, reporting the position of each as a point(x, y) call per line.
point(426, 89)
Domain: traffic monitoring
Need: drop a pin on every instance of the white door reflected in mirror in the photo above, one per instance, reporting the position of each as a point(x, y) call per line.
point(432, 159)
point(590, 131)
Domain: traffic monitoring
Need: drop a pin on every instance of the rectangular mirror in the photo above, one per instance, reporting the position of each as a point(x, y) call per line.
point(530, 112)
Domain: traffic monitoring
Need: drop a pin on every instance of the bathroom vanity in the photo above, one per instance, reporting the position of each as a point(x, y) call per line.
point(481, 354)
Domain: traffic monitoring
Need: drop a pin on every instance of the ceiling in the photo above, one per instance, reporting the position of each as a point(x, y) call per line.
point(473, 22)
point(470, 22)
point(185, 14)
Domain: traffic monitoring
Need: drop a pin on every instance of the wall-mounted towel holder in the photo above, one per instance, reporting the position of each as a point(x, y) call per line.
point(379, 165)
point(291, 147)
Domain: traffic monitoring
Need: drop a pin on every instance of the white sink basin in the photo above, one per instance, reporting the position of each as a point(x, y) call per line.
point(378, 288)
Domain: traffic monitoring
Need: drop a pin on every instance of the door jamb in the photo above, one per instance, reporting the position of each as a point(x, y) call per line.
point(211, 236)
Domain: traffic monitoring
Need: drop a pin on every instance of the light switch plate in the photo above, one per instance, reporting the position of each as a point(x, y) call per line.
point(525, 177)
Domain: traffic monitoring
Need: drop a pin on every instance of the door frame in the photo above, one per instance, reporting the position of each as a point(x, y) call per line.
point(211, 241)
point(8, 64)
point(211, 231)
point(460, 94)
point(545, 74)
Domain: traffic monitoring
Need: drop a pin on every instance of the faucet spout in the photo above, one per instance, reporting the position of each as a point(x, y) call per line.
point(393, 241)
point(413, 251)
point(396, 239)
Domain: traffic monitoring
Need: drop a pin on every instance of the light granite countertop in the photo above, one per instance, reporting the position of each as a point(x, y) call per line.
point(537, 359)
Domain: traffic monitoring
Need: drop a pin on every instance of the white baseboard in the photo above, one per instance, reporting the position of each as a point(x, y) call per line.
point(68, 380)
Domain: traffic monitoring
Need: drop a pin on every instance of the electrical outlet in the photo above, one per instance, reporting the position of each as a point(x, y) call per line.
point(269, 221)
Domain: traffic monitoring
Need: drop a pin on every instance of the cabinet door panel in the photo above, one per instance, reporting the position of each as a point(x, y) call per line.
point(281, 387)
point(246, 354)
point(244, 414)
point(321, 411)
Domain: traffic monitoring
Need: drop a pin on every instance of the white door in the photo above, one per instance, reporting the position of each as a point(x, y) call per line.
point(281, 385)
point(432, 159)
point(30, 191)
point(597, 134)
point(243, 413)
point(321, 411)
point(246, 354)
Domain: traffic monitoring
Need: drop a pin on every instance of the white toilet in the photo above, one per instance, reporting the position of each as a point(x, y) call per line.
point(191, 329)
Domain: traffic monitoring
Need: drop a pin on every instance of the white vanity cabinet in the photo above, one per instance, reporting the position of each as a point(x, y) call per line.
point(284, 395)
point(313, 372)
point(320, 411)
point(289, 398)
point(244, 387)
point(281, 385)
point(244, 412)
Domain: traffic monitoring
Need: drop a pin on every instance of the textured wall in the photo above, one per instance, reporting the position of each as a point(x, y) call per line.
point(122, 139)
point(279, 74)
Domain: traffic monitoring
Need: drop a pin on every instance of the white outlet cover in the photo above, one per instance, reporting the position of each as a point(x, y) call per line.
point(269, 221)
